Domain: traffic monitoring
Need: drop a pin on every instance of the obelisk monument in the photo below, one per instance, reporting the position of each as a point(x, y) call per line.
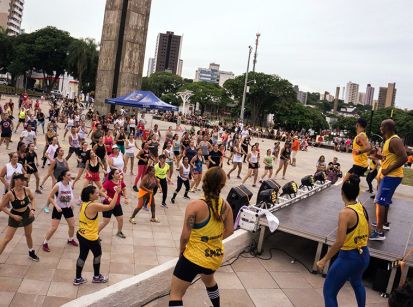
point(122, 49)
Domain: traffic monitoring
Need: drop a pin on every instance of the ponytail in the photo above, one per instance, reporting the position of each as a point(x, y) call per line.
point(213, 182)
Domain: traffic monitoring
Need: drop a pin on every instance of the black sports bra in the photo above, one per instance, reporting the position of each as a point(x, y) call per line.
point(20, 203)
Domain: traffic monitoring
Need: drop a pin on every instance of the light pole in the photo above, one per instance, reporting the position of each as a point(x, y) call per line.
point(185, 96)
point(244, 95)
point(254, 62)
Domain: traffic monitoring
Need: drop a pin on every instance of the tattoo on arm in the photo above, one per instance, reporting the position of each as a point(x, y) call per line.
point(190, 221)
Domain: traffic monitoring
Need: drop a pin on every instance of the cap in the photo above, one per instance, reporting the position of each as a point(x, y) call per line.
point(115, 147)
point(19, 176)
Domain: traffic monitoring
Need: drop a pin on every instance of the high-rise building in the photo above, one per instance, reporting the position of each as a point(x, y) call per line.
point(352, 93)
point(167, 52)
point(387, 96)
point(362, 98)
point(11, 15)
point(180, 66)
point(151, 67)
point(369, 95)
point(224, 76)
point(336, 99)
point(302, 97)
point(391, 95)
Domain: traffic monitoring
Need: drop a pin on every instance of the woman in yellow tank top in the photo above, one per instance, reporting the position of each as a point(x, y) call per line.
point(88, 233)
point(351, 243)
point(207, 222)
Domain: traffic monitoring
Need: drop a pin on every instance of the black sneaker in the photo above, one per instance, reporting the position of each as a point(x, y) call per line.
point(100, 279)
point(187, 197)
point(173, 200)
point(165, 206)
point(33, 256)
point(79, 281)
point(135, 188)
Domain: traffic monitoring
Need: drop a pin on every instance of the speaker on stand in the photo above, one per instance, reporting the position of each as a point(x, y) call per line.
point(238, 197)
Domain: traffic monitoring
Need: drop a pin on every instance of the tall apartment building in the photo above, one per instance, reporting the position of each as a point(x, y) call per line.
point(11, 15)
point(168, 52)
point(369, 95)
point(151, 67)
point(213, 74)
point(352, 93)
point(180, 66)
point(387, 96)
point(362, 98)
point(302, 97)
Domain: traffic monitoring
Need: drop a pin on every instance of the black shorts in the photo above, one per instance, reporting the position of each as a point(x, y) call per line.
point(177, 153)
point(74, 150)
point(268, 167)
point(32, 169)
point(6, 134)
point(358, 170)
point(22, 120)
point(187, 270)
point(253, 165)
point(26, 219)
point(66, 212)
point(116, 211)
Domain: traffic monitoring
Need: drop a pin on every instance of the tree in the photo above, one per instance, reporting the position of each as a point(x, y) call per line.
point(172, 99)
point(6, 50)
point(267, 94)
point(82, 62)
point(162, 83)
point(210, 96)
point(300, 116)
point(346, 123)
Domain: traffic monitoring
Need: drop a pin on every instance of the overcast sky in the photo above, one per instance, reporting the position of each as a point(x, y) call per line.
point(317, 44)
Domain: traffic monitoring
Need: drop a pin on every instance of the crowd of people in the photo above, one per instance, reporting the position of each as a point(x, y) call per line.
point(109, 147)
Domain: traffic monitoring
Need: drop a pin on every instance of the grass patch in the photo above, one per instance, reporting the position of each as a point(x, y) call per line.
point(408, 176)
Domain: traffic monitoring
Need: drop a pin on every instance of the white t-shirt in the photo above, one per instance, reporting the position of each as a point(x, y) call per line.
point(28, 137)
point(51, 150)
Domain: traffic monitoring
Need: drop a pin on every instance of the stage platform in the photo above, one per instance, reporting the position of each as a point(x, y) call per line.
point(316, 217)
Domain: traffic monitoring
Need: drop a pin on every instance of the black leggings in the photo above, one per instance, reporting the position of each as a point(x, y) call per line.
point(179, 186)
point(164, 185)
point(370, 177)
point(85, 245)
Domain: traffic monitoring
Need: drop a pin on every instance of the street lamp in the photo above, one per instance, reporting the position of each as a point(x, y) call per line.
point(244, 95)
point(185, 96)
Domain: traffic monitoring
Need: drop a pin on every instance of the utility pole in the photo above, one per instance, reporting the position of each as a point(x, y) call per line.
point(244, 96)
point(256, 51)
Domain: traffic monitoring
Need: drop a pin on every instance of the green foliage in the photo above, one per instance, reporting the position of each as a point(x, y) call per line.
point(210, 96)
point(300, 116)
point(82, 62)
point(268, 94)
point(313, 98)
point(346, 123)
point(172, 99)
point(162, 83)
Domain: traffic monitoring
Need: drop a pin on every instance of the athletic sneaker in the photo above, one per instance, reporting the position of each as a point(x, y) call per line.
point(33, 256)
point(386, 226)
point(121, 235)
point(46, 247)
point(377, 236)
point(46, 209)
point(187, 197)
point(173, 200)
point(79, 281)
point(100, 279)
point(132, 220)
point(239, 177)
point(72, 242)
point(135, 188)
point(164, 206)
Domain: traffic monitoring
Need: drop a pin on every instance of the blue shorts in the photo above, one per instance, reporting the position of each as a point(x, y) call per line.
point(386, 190)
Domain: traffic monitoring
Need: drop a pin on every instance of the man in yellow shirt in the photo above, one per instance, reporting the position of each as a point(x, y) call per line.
point(361, 149)
point(393, 157)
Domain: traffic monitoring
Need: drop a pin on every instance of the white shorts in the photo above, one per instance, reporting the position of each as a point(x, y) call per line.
point(294, 154)
point(237, 159)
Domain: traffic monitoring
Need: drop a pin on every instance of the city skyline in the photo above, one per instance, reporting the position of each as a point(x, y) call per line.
point(295, 44)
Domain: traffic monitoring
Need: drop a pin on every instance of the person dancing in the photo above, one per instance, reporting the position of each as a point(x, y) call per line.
point(23, 205)
point(253, 165)
point(183, 179)
point(267, 165)
point(284, 159)
point(147, 190)
point(209, 217)
point(88, 233)
point(351, 243)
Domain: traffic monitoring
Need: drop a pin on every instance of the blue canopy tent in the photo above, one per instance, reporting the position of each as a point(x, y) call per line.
point(142, 99)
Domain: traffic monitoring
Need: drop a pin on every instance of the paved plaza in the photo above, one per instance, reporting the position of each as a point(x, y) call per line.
point(49, 282)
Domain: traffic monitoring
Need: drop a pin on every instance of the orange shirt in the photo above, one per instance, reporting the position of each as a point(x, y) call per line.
point(410, 159)
point(296, 145)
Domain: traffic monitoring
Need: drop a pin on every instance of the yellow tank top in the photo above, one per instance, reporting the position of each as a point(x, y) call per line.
point(205, 246)
point(372, 165)
point(360, 160)
point(88, 228)
point(359, 236)
point(22, 115)
point(390, 158)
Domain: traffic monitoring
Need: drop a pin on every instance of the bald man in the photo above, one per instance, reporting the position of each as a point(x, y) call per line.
point(393, 157)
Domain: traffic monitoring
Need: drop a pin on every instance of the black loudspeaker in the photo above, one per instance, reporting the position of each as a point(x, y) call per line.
point(290, 189)
point(268, 192)
point(238, 197)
